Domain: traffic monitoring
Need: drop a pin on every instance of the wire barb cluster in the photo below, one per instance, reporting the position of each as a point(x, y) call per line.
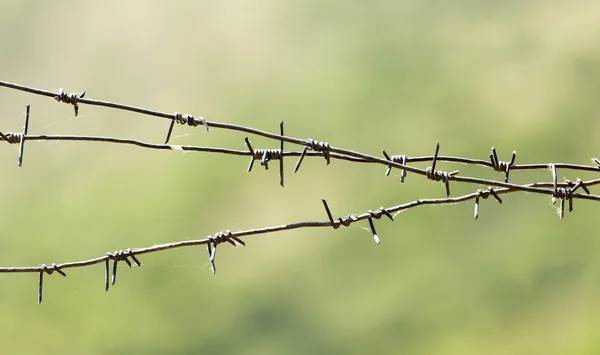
point(183, 120)
point(48, 270)
point(563, 191)
point(116, 257)
point(442, 176)
point(502, 166)
point(265, 155)
point(400, 159)
point(71, 99)
point(220, 237)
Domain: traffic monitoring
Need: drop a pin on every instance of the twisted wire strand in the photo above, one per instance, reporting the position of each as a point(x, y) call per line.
point(12, 138)
point(226, 237)
point(557, 190)
point(232, 238)
point(309, 143)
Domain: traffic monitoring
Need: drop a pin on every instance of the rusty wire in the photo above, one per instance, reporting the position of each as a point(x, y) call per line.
point(564, 191)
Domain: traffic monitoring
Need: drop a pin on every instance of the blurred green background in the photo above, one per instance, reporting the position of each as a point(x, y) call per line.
point(520, 75)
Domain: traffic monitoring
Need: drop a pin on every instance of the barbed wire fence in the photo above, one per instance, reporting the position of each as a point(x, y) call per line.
point(564, 192)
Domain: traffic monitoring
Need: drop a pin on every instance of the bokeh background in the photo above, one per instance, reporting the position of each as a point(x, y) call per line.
point(394, 75)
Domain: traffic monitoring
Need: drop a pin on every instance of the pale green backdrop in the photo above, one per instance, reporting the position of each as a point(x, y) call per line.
point(394, 75)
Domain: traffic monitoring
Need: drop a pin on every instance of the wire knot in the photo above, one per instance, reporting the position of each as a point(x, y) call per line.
point(12, 138)
point(566, 193)
point(320, 147)
point(50, 269)
point(217, 239)
point(442, 176)
point(124, 256)
point(190, 120)
point(116, 257)
point(437, 175)
point(227, 236)
point(400, 159)
point(184, 119)
point(563, 193)
point(345, 221)
point(502, 166)
point(377, 214)
point(265, 155)
point(71, 99)
point(380, 213)
point(485, 194)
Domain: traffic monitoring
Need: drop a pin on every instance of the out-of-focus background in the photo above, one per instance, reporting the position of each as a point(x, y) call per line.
point(365, 76)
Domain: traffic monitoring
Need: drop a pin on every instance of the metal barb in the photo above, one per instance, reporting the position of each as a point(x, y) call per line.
point(170, 131)
point(386, 213)
point(375, 236)
point(116, 257)
point(251, 153)
point(264, 160)
point(396, 159)
point(555, 182)
point(495, 161)
point(114, 271)
point(512, 161)
point(300, 159)
point(484, 194)
point(570, 203)
point(48, 270)
point(561, 209)
point(580, 183)
point(435, 156)
point(565, 193)
point(23, 137)
point(212, 252)
point(213, 241)
point(184, 119)
point(491, 190)
point(322, 147)
point(442, 176)
point(40, 286)
point(403, 172)
point(281, 159)
point(134, 258)
point(106, 278)
point(72, 99)
point(329, 215)
point(501, 166)
point(389, 168)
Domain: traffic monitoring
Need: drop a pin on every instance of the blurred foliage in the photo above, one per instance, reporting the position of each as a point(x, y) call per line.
point(361, 75)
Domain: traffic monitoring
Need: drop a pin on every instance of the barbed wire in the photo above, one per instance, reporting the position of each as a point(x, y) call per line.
point(564, 191)
point(309, 144)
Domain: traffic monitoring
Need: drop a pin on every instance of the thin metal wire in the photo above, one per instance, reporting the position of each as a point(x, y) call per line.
point(291, 226)
point(16, 138)
point(310, 143)
point(557, 190)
